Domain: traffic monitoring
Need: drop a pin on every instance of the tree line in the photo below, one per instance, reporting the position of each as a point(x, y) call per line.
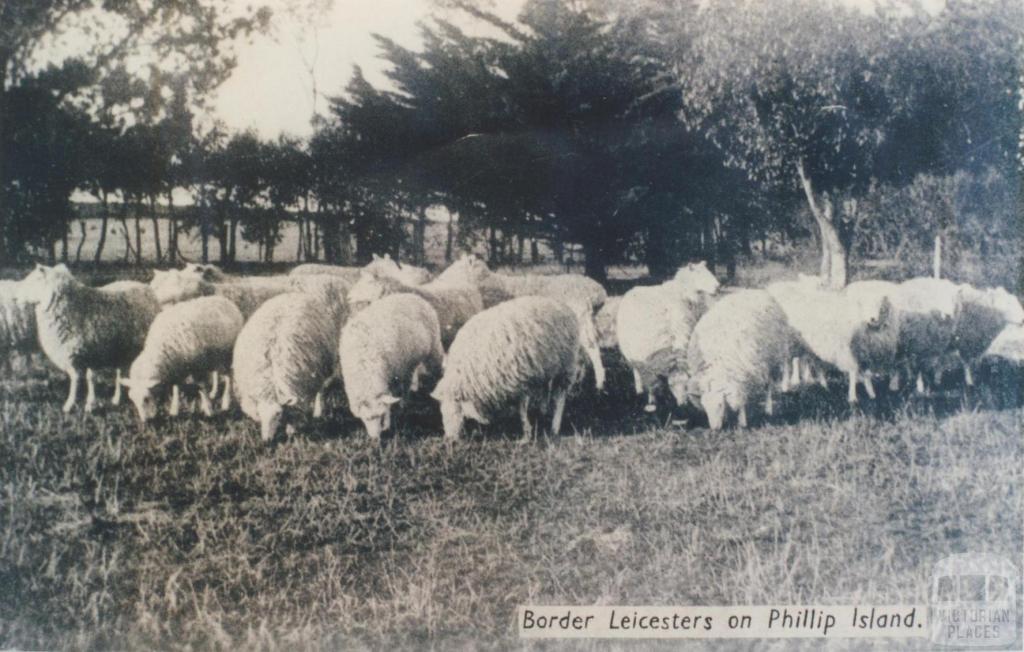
point(643, 130)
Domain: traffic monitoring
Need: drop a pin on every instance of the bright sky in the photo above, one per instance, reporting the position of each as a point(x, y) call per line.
point(272, 88)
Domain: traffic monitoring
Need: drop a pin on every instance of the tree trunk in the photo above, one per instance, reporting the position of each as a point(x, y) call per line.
point(233, 240)
point(559, 248)
point(6, 250)
point(520, 245)
point(419, 237)
point(298, 245)
point(105, 216)
point(172, 230)
point(81, 241)
point(138, 231)
point(156, 228)
point(534, 251)
point(450, 241)
point(123, 217)
point(833, 253)
point(595, 264)
point(64, 244)
point(492, 247)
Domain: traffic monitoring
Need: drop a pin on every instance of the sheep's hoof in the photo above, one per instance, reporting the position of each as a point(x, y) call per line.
point(289, 430)
point(650, 408)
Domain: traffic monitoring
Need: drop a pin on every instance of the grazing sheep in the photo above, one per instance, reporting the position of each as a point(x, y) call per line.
point(928, 309)
point(17, 323)
point(187, 339)
point(284, 355)
point(982, 315)
point(496, 288)
point(246, 292)
point(350, 274)
point(738, 349)
point(853, 332)
point(1008, 345)
point(653, 328)
point(381, 351)
point(384, 266)
point(527, 350)
point(82, 328)
point(605, 321)
point(455, 304)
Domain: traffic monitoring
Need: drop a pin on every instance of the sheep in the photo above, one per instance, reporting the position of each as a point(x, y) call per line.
point(82, 328)
point(852, 332)
point(381, 351)
point(1008, 345)
point(928, 308)
point(284, 355)
point(208, 272)
point(17, 323)
point(248, 293)
point(350, 274)
point(981, 316)
point(738, 349)
point(496, 288)
point(653, 328)
point(604, 322)
point(455, 304)
point(528, 349)
point(406, 273)
point(188, 338)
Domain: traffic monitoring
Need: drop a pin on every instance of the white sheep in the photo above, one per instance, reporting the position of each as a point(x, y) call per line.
point(526, 350)
point(1008, 345)
point(928, 308)
point(186, 339)
point(653, 328)
point(17, 323)
point(350, 274)
point(496, 288)
point(404, 272)
point(737, 351)
point(381, 351)
point(82, 328)
point(852, 332)
point(284, 355)
point(246, 292)
point(981, 316)
point(605, 322)
point(455, 304)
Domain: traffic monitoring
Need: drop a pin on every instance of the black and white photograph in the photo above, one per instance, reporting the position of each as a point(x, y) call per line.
point(511, 324)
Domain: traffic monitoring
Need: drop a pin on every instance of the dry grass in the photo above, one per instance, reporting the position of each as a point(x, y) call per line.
point(190, 533)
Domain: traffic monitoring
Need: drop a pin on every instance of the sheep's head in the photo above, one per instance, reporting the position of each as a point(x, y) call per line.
point(140, 392)
point(696, 277)
point(210, 273)
point(375, 413)
point(881, 313)
point(367, 289)
point(173, 286)
point(588, 340)
point(1007, 304)
point(40, 284)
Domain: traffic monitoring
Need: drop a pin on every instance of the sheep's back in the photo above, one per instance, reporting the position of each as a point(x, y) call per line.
point(516, 347)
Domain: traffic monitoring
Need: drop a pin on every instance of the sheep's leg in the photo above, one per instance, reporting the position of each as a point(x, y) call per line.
point(116, 398)
point(318, 405)
point(90, 390)
point(920, 383)
point(175, 401)
point(214, 384)
point(795, 379)
point(937, 379)
point(556, 420)
point(769, 404)
point(869, 386)
point(225, 399)
point(894, 381)
point(414, 381)
point(822, 377)
point(743, 415)
point(968, 376)
point(851, 394)
point(204, 403)
point(638, 382)
point(73, 378)
point(652, 402)
point(524, 417)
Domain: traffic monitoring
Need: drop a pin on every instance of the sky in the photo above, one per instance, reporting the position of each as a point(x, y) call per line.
point(272, 89)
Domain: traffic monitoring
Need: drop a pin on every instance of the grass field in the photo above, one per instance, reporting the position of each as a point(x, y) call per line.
point(190, 533)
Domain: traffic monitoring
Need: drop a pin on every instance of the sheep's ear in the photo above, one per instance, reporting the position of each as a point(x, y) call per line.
point(388, 399)
point(376, 257)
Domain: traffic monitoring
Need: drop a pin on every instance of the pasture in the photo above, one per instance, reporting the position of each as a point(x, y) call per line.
point(190, 533)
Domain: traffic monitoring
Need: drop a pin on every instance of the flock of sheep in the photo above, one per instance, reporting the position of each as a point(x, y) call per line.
point(488, 343)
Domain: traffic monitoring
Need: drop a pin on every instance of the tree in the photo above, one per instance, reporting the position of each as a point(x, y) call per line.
point(184, 36)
